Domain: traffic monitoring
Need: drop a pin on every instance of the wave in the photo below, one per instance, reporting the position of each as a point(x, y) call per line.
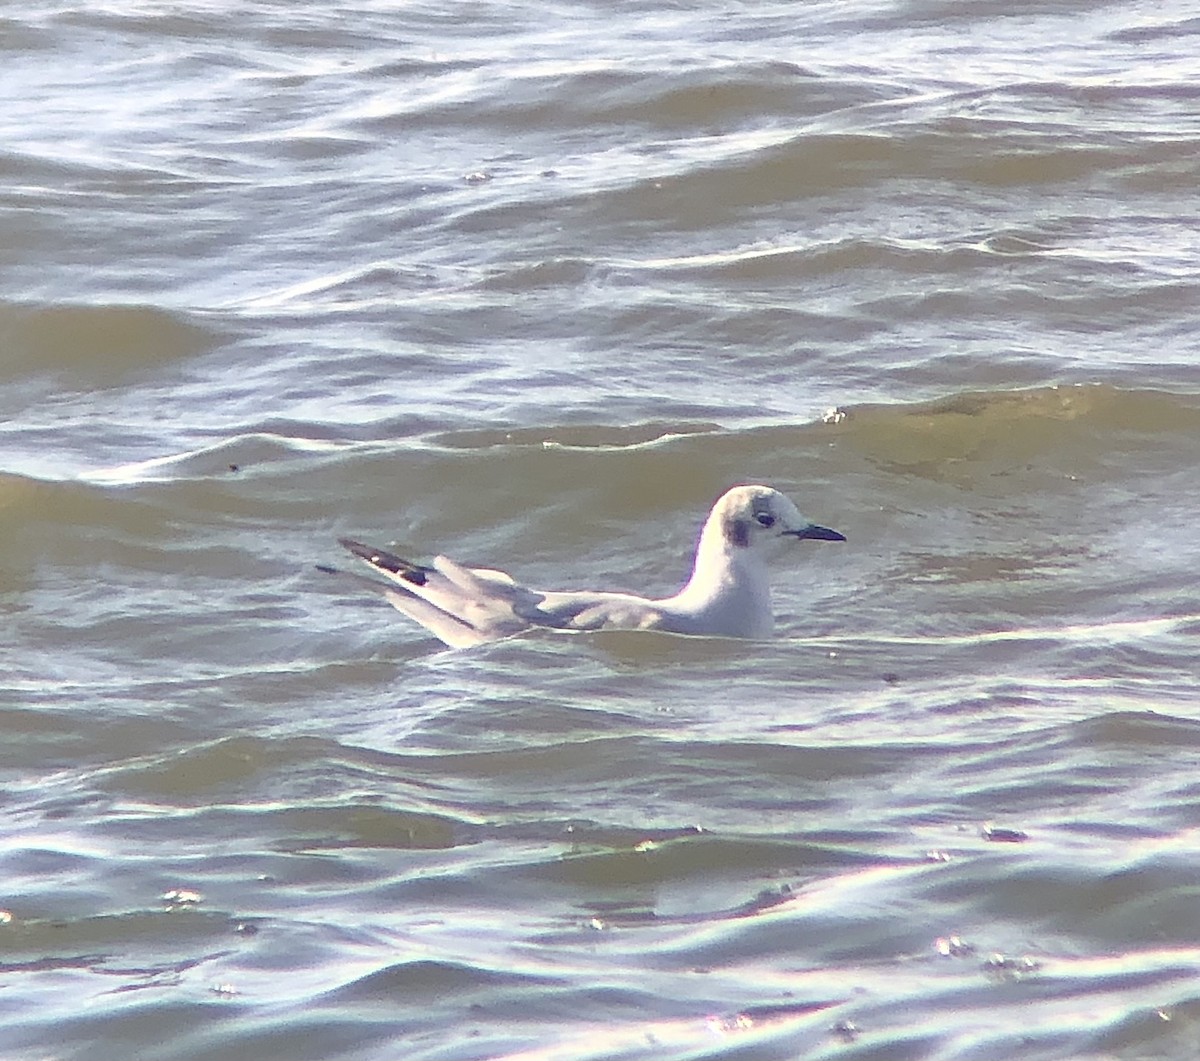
point(98, 345)
point(991, 424)
point(1096, 420)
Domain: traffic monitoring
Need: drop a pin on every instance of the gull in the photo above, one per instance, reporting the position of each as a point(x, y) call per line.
point(727, 595)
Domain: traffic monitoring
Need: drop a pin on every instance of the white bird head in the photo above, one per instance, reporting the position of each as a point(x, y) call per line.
point(750, 517)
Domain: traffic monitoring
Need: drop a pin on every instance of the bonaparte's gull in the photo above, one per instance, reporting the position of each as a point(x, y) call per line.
point(728, 594)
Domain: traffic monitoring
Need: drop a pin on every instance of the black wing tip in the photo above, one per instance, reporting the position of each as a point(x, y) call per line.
point(358, 548)
point(386, 561)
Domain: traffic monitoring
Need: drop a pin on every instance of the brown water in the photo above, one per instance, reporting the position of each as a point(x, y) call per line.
point(532, 287)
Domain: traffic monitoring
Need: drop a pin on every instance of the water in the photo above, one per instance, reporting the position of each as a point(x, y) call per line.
point(532, 286)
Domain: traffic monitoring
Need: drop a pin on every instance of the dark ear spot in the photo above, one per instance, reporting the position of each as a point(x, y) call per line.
point(737, 532)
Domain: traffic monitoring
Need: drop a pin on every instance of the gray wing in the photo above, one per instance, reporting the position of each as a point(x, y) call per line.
point(470, 606)
point(595, 611)
point(459, 605)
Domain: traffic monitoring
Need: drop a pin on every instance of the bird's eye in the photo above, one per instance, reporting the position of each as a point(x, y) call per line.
point(765, 519)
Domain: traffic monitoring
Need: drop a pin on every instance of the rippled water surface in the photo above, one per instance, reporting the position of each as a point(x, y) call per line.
point(532, 285)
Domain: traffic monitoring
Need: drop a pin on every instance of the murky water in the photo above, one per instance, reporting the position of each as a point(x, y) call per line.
point(532, 287)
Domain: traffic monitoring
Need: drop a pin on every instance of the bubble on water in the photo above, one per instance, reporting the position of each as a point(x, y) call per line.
point(1011, 968)
point(739, 1022)
point(952, 946)
point(846, 1030)
point(998, 834)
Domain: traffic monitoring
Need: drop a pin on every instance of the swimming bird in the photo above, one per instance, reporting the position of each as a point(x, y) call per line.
point(727, 595)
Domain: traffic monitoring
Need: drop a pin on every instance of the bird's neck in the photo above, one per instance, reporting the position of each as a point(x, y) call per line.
point(732, 578)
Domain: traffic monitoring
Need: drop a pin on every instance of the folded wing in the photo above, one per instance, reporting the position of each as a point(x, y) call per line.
point(462, 606)
point(469, 606)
